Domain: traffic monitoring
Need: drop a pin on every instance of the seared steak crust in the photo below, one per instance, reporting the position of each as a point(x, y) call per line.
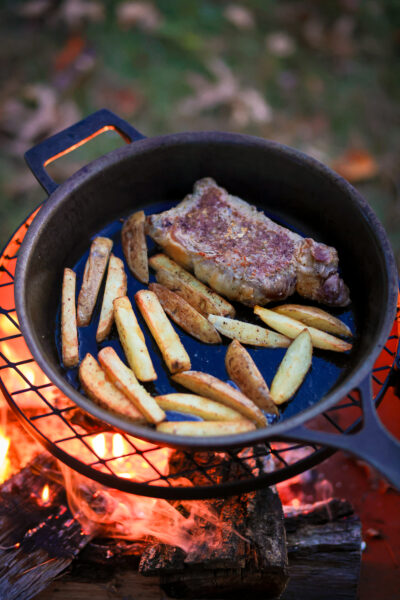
point(241, 253)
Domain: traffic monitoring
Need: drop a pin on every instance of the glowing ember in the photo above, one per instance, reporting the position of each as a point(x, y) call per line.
point(4, 461)
point(118, 445)
point(45, 494)
point(99, 445)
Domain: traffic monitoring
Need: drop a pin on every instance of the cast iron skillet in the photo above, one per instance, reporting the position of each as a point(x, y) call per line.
point(295, 188)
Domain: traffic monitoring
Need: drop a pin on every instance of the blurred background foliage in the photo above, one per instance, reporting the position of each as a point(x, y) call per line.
point(322, 76)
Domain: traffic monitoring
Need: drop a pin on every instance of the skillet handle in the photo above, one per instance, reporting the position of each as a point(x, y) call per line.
point(371, 442)
point(38, 157)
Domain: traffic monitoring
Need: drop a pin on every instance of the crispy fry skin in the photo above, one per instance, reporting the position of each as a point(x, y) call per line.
point(248, 333)
point(69, 331)
point(171, 347)
point(197, 405)
point(135, 247)
point(116, 286)
point(92, 277)
point(314, 317)
point(199, 301)
point(124, 379)
point(243, 371)
point(293, 368)
point(206, 428)
point(201, 297)
point(103, 392)
point(212, 387)
point(292, 328)
point(185, 315)
point(132, 340)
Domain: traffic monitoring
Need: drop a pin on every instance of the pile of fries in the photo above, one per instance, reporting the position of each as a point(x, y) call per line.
point(202, 313)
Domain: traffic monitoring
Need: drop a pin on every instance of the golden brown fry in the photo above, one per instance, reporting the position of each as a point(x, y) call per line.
point(185, 315)
point(292, 328)
point(205, 428)
point(135, 247)
point(171, 347)
point(201, 297)
point(103, 392)
point(248, 333)
point(124, 379)
point(198, 301)
point(212, 387)
point(132, 340)
point(314, 317)
point(197, 405)
point(92, 277)
point(116, 286)
point(293, 368)
point(243, 371)
point(69, 331)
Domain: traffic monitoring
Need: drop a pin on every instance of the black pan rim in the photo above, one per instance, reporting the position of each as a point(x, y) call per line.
point(60, 195)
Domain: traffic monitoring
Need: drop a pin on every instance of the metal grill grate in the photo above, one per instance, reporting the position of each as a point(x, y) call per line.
point(132, 465)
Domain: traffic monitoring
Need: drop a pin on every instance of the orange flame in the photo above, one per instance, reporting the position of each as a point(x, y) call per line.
point(99, 445)
point(4, 460)
point(45, 494)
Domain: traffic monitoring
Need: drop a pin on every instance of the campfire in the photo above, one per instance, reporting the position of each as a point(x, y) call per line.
point(242, 538)
point(80, 510)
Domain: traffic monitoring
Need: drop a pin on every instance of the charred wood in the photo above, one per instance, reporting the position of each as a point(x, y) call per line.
point(324, 550)
point(247, 552)
point(38, 539)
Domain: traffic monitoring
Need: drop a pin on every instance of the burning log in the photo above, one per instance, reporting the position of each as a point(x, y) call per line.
point(38, 536)
point(248, 553)
point(244, 550)
point(324, 545)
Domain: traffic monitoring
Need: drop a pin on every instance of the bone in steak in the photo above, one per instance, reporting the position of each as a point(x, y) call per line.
point(242, 254)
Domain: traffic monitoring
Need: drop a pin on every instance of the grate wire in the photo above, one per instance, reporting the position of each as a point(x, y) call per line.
point(34, 406)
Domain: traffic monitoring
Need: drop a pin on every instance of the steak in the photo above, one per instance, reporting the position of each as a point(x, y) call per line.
point(242, 254)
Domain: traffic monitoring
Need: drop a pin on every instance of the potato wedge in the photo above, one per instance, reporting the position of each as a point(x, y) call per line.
point(92, 277)
point(243, 371)
point(314, 317)
point(292, 328)
point(69, 331)
point(198, 301)
point(135, 247)
point(205, 428)
point(124, 379)
point(116, 286)
point(187, 283)
point(132, 340)
point(248, 333)
point(185, 315)
point(171, 347)
point(293, 368)
point(212, 387)
point(103, 392)
point(197, 405)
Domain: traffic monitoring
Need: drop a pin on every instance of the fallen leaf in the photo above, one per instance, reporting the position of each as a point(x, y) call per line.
point(246, 105)
point(69, 52)
point(280, 44)
point(77, 12)
point(356, 165)
point(239, 16)
point(125, 101)
point(144, 15)
point(34, 9)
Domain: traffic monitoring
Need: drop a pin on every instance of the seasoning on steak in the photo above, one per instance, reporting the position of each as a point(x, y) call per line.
point(242, 254)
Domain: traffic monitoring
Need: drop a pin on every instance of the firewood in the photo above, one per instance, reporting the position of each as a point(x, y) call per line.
point(247, 553)
point(38, 540)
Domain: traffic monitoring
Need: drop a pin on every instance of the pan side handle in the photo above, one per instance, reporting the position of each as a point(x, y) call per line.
point(41, 155)
point(372, 442)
